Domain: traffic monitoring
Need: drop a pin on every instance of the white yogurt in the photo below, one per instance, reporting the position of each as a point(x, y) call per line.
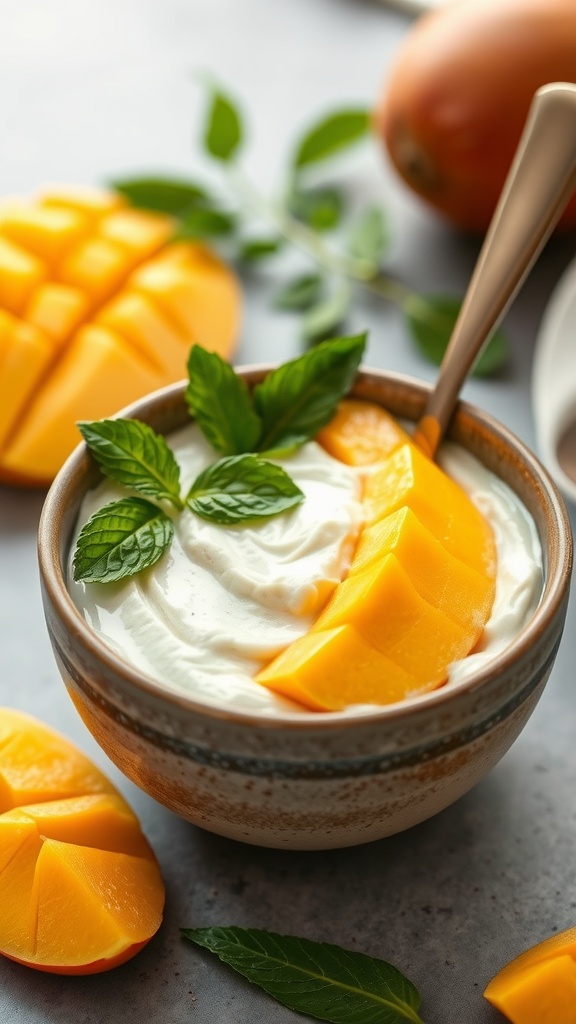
point(224, 600)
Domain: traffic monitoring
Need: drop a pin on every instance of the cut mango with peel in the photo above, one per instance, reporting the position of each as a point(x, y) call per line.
point(75, 263)
point(539, 986)
point(420, 587)
point(80, 887)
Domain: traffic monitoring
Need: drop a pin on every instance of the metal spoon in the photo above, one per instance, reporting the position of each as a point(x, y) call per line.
point(540, 182)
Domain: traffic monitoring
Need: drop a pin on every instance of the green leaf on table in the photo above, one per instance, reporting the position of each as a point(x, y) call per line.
point(253, 250)
point(242, 488)
point(223, 131)
point(331, 135)
point(300, 293)
point(325, 318)
point(319, 208)
point(121, 539)
point(221, 404)
point(298, 398)
point(315, 978)
point(164, 195)
point(431, 320)
point(133, 454)
point(369, 236)
point(204, 222)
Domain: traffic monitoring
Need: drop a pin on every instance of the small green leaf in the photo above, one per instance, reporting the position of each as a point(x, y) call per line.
point(298, 398)
point(315, 978)
point(223, 134)
point(205, 222)
point(431, 320)
point(131, 453)
point(165, 195)
point(253, 250)
point(327, 317)
point(300, 293)
point(320, 208)
point(369, 236)
point(331, 135)
point(221, 404)
point(121, 539)
point(242, 488)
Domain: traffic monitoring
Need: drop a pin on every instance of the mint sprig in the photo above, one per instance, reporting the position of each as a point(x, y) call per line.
point(319, 979)
point(283, 412)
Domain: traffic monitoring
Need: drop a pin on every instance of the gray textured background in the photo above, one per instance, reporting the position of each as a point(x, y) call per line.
point(90, 90)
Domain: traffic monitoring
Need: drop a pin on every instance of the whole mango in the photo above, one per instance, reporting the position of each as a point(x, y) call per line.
point(457, 96)
point(98, 306)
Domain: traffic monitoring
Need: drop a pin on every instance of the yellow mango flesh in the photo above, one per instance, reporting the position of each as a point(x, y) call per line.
point(539, 986)
point(361, 433)
point(80, 888)
point(419, 590)
point(80, 270)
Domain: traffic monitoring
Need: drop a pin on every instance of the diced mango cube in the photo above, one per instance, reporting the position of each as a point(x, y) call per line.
point(542, 994)
point(57, 309)
point(25, 355)
point(140, 232)
point(101, 820)
point(142, 323)
point(20, 274)
point(332, 669)
point(96, 266)
point(93, 203)
point(43, 231)
point(361, 433)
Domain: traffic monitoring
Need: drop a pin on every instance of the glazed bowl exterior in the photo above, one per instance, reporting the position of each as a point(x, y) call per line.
point(313, 781)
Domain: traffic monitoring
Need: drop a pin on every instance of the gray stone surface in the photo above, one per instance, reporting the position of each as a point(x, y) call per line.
point(92, 90)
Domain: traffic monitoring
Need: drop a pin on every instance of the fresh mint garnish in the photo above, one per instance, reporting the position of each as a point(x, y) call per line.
point(131, 453)
point(121, 539)
point(163, 195)
point(223, 132)
point(283, 412)
point(315, 978)
point(300, 293)
point(331, 135)
point(241, 488)
point(221, 404)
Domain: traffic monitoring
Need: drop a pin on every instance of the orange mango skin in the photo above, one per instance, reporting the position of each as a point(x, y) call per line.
point(80, 888)
point(420, 587)
point(97, 308)
point(539, 986)
point(455, 100)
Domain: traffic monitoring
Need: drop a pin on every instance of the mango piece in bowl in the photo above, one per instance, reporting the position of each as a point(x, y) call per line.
point(539, 986)
point(97, 308)
point(419, 590)
point(80, 887)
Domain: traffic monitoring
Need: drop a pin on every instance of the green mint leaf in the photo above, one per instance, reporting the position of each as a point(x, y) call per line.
point(327, 317)
point(369, 236)
point(300, 293)
point(431, 320)
point(253, 250)
point(131, 453)
point(223, 132)
point(163, 195)
point(205, 222)
point(331, 135)
point(242, 488)
point(315, 978)
point(121, 539)
point(319, 208)
point(297, 399)
point(221, 404)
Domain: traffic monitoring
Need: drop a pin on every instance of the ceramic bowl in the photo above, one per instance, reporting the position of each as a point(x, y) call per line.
point(310, 782)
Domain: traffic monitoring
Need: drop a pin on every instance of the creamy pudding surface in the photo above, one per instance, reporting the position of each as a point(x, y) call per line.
point(222, 601)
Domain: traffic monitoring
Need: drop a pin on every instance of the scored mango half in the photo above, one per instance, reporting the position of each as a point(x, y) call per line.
point(539, 986)
point(80, 887)
point(420, 587)
point(97, 308)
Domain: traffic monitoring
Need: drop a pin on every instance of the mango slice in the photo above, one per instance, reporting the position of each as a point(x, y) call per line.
point(80, 887)
point(539, 986)
point(420, 586)
point(80, 269)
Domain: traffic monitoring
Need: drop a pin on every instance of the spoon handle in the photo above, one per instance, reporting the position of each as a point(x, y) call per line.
point(539, 184)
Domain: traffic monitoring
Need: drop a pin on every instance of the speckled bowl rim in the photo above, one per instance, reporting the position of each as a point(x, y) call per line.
point(52, 546)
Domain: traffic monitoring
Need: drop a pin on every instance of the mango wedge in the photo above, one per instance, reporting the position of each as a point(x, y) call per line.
point(419, 590)
point(539, 986)
point(97, 307)
point(80, 888)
